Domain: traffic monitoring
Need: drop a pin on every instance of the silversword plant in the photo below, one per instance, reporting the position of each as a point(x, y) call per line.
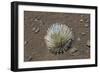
point(59, 38)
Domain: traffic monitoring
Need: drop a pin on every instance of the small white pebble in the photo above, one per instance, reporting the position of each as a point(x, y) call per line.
point(78, 39)
point(86, 25)
point(29, 58)
point(83, 33)
point(81, 16)
point(81, 20)
point(73, 50)
point(88, 43)
point(87, 21)
point(33, 29)
point(25, 42)
point(35, 19)
point(37, 30)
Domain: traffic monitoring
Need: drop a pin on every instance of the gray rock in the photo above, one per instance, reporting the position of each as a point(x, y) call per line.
point(37, 30)
point(86, 20)
point(83, 33)
point(88, 43)
point(35, 19)
point(68, 24)
point(81, 16)
point(41, 22)
point(29, 58)
point(86, 25)
point(33, 29)
point(78, 39)
point(25, 42)
point(81, 20)
point(73, 50)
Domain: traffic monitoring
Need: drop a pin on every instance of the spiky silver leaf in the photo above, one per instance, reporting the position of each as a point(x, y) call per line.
point(59, 38)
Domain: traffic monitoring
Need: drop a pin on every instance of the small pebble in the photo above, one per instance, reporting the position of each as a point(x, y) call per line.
point(88, 43)
point(25, 42)
point(81, 20)
point(33, 29)
point(37, 30)
point(86, 25)
point(87, 21)
point(82, 16)
point(73, 50)
point(68, 24)
point(86, 17)
point(36, 20)
point(60, 52)
point(40, 22)
point(83, 33)
point(78, 39)
point(29, 58)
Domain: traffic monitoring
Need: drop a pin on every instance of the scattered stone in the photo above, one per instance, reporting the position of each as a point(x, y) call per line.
point(81, 20)
point(37, 30)
point(83, 33)
point(86, 25)
point(25, 42)
point(35, 19)
point(81, 16)
point(68, 24)
point(73, 51)
point(40, 22)
point(86, 16)
point(33, 29)
point(87, 21)
point(88, 43)
point(78, 39)
point(29, 58)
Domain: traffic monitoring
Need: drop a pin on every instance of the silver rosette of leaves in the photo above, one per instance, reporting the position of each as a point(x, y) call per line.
point(59, 38)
